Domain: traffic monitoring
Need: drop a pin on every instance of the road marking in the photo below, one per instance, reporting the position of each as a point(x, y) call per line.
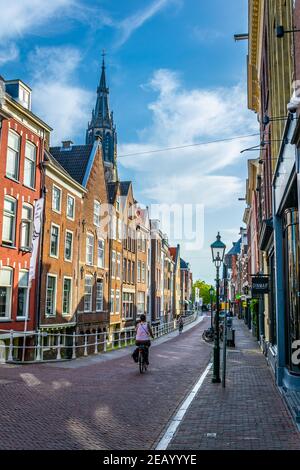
point(168, 436)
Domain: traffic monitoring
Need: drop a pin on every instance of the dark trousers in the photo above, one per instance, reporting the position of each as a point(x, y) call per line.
point(146, 351)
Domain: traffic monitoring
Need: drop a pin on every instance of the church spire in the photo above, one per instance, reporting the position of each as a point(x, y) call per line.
point(102, 124)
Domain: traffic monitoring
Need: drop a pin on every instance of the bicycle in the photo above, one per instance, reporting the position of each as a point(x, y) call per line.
point(141, 358)
point(208, 335)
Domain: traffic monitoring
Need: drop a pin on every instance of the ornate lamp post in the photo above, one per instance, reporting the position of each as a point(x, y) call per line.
point(211, 293)
point(218, 251)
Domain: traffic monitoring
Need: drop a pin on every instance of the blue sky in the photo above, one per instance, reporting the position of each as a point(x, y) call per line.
point(176, 77)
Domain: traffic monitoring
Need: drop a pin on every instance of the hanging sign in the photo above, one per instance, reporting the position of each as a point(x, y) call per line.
point(260, 285)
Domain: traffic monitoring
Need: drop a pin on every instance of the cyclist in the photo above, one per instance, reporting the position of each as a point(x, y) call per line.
point(180, 324)
point(143, 333)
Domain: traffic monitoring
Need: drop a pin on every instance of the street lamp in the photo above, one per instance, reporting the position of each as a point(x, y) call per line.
point(218, 252)
point(211, 293)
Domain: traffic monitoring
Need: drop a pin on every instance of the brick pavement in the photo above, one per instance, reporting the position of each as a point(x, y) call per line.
point(249, 414)
point(105, 405)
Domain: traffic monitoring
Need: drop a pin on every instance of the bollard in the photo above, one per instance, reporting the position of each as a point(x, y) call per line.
point(119, 339)
point(58, 357)
point(74, 346)
point(125, 338)
point(11, 346)
point(105, 342)
point(85, 353)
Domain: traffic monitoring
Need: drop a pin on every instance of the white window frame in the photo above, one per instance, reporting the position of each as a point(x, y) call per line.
point(17, 152)
point(69, 196)
point(102, 264)
point(71, 259)
point(55, 296)
point(9, 300)
point(26, 223)
point(98, 282)
point(10, 243)
point(58, 211)
point(87, 245)
point(141, 303)
point(88, 276)
point(97, 213)
point(71, 296)
point(113, 263)
point(117, 301)
point(143, 272)
point(139, 271)
point(23, 317)
point(58, 240)
point(118, 271)
point(112, 303)
point(33, 162)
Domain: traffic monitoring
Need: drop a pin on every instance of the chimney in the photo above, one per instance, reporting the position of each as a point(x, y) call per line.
point(67, 144)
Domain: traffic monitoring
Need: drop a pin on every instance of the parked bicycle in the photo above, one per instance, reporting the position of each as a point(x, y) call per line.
point(209, 334)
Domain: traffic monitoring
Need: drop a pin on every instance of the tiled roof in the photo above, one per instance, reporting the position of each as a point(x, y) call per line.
point(74, 161)
point(183, 264)
point(112, 190)
point(124, 186)
point(236, 248)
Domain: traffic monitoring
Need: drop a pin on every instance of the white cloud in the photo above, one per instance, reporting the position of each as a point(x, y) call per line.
point(204, 35)
point(8, 53)
point(56, 99)
point(19, 17)
point(183, 117)
point(132, 23)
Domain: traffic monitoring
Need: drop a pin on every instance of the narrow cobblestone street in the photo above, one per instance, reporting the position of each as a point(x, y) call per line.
point(108, 405)
point(101, 405)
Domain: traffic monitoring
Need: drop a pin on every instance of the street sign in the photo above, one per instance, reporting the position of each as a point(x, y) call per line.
point(260, 285)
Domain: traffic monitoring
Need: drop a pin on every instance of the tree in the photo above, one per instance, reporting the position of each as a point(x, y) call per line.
point(204, 291)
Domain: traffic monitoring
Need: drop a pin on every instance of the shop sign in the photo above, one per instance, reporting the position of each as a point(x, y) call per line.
point(260, 285)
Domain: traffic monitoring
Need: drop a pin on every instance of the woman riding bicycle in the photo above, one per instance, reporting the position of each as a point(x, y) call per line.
point(143, 333)
point(180, 324)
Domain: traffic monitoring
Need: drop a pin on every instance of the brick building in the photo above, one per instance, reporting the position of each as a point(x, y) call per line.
point(61, 245)
point(143, 254)
point(85, 165)
point(22, 141)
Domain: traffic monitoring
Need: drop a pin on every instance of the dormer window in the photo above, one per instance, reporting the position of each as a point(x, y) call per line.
point(20, 92)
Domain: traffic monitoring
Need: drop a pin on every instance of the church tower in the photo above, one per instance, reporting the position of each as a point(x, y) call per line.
point(102, 125)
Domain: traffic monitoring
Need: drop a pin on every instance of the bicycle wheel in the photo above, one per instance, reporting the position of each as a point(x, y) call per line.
point(141, 362)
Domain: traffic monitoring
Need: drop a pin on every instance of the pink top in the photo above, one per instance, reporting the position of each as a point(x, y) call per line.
point(142, 333)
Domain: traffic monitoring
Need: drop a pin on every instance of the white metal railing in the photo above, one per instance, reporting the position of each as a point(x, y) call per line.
point(60, 346)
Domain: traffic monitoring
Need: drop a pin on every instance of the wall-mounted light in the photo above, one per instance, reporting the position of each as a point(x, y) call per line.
point(241, 37)
point(280, 31)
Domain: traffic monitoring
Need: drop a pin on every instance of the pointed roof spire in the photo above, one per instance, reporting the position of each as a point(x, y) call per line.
point(102, 85)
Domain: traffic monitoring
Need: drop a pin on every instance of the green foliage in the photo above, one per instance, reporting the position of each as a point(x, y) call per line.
point(204, 291)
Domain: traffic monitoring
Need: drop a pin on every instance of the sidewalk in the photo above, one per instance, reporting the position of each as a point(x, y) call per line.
point(248, 414)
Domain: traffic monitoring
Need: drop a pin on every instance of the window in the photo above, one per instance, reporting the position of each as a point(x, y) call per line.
point(113, 264)
point(70, 207)
point(26, 226)
point(113, 227)
point(129, 272)
point(117, 301)
point(68, 245)
point(118, 273)
point(54, 241)
point(143, 272)
point(90, 249)
point(56, 198)
point(124, 270)
point(51, 296)
point(13, 151)
point(5, 292)
point(139, 242)
point(22, 310)
point(128, 303)
point(99, 296)
point(112, 301)
point(97, 209)
point(88, 290)
point(139, 272)
point(140, 303)
point(9, 221)
point(67, 296)
point(118, 204)
point(100, 254)
point(29, 165)
point(133, 274)
point(120, 232)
